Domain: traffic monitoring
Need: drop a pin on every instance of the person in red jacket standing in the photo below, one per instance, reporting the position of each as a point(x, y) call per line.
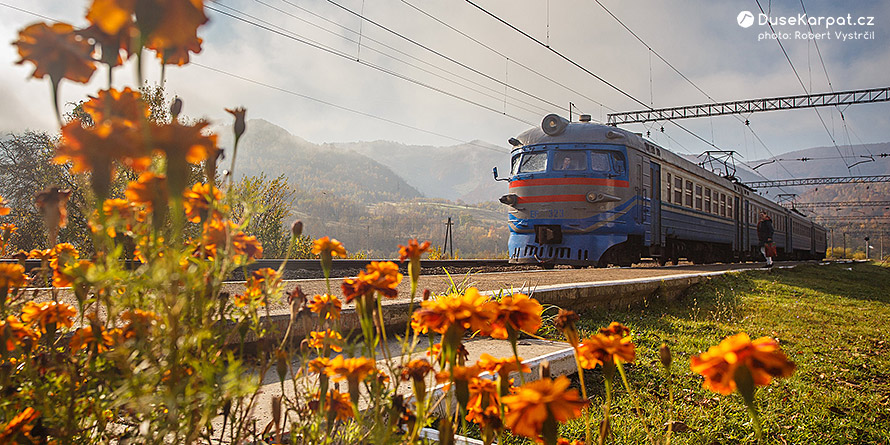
point(765, 236)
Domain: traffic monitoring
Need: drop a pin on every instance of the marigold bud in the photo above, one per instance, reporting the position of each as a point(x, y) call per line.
point(297, 228)
point(176, 107)
point(426, 294)
point(664, 354)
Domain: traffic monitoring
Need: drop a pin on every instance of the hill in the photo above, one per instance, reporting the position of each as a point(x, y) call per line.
point(269, 149)
point(458, 172)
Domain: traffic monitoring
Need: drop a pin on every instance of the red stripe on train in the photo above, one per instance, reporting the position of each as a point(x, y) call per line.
point(552, 198)
point(569, 181)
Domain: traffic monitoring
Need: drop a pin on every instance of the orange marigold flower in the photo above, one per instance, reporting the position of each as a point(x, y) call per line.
point(535, 402)
point(516, 313)
point(120, 207)
point(176, 31)
point(383, 277)
point(198, 200)
point(217, 233)
point(602, 348)
point(501, 366)
point(111, 15)
point(111, 45)
point(20, 424)
point(3, 209)
point(356, 368)
point(762, 357)
point(6, 230)
point(84, 337)
point(66, 274)
point(41, 254)
point(149, 190)
point(125, 106)
point(616, 329)
point(413, 250)
point(459, 374)
point(338, 405)
point(469, 311)
point(139, 323)
point(64, 252)
point(56, 50)
point(183, 142)
point(320, 339)
point(354, 288)
point(13, 331)
point(11, 276)
point(95, 148)
point(416, 369)
point(42, 314)
point(331, 246)
point(319, 365)
point(483, 395)
point(326, 306)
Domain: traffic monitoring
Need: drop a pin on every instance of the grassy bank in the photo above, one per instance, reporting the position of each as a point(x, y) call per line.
point(832, 321)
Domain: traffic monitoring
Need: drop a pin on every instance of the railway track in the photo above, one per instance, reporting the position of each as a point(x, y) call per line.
point(302, 268)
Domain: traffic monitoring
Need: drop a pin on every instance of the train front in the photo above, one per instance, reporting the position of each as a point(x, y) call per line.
point(569, 195)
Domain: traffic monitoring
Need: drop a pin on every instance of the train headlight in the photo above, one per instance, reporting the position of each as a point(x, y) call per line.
point(509, 199)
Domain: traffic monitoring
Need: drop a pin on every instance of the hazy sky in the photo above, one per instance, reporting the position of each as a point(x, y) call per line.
point(512, 81)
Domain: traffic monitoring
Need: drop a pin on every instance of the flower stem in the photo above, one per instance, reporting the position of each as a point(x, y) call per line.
point(605, 427)
point(583, 393)
point(633, 399)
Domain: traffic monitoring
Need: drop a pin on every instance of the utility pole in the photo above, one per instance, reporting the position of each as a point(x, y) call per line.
point(866, 248)
point(845, 245)
point(449, 239)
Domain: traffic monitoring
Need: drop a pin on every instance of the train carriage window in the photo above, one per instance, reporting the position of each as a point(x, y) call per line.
point(722, 204)
point(689, 194)
point(668, 182)
point(729, 207)
point(566, 160)
point(533, 162)
point(697, 197)
point(678, 191)
point(707, 200)
point(599, 161)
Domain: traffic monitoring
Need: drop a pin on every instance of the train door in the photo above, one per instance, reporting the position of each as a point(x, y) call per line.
point(737, 221)
point(644, 192)
point(746, 233)
point(655, 188)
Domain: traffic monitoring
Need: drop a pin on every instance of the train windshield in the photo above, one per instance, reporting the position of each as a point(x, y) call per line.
point(599, 161)
point(532, 162)
point(565, 160)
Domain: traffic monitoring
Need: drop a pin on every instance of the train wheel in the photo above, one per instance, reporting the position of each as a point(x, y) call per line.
point(547, 266)
point(662, 260)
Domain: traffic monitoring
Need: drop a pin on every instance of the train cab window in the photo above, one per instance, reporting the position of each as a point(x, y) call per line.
point(678, 190)
point(565, 160)
point(533, 162)
point(697, 197)
point(707, 200)
point(689, 194)
point(599, 161)
point(618, 163)
point(514, 164)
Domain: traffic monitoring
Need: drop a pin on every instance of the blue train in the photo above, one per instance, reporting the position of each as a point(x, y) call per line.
point(585, 194)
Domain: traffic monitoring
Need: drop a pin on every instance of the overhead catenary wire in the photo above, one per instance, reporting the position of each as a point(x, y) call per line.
point(501, 54)
point(651, 50)
point(802, 85)
point(368, 64)
point(304, 96)
point(367, 48)
point(583, 68)
point(442, 55)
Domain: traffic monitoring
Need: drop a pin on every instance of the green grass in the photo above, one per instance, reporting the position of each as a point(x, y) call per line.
point(832, 321)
